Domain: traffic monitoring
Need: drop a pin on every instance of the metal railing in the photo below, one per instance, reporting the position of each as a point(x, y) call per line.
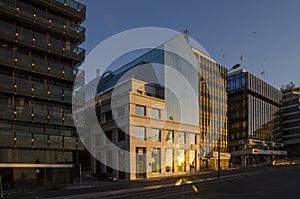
point(34, 15)
point(34, 114)
point(35, 89)
point(39, 41)
point(35, 64)
point(70, 4)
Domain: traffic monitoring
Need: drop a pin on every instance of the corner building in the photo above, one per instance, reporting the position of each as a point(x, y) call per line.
point(254, 120)
point(39, 50)
point(168, 134)
point(290, 119)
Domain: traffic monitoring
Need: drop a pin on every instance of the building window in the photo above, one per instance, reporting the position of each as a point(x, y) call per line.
point(181, 160)
point(108, 116)
point(109, 136)
point(70, 142)
point(139, 92)
point(192, 160)
point(155, 113)
point(169, 160)
point(140, 133)
point(140, 110)
point(169, 136)
point(192, 138)
point(102, 118)
point(181, 137)
point(40, 140)
point(55, 141)
point(156, 135)
point(155, 160)
point(121, 135)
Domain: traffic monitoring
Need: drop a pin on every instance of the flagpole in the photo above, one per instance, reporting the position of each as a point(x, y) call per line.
point(241, 58)
point(263, 74)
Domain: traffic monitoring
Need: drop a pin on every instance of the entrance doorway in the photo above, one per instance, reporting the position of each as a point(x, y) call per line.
point(140, 162)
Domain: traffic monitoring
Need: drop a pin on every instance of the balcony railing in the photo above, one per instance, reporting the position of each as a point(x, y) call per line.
point(33, 114)
point(39, 41)
point(37, 16)
point(73, 4)
point(35, 64)
point(74, 8)
point(7, 111)
point(30, 88)
point(6, 84)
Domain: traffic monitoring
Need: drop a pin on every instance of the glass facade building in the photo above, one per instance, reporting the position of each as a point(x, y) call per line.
point(253, 119)
point(39, 51)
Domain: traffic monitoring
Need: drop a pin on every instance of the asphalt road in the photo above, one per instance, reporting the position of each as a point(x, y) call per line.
point(246, 182)
point(283, 182)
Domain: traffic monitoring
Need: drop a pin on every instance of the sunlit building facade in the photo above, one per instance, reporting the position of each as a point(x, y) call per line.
point(167, 132)
point(39, 50)
point(253, 120)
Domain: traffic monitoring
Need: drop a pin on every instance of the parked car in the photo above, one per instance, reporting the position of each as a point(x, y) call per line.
point(106, 177)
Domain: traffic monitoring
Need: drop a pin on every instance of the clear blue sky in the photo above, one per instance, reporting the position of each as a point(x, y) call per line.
point(265, 32)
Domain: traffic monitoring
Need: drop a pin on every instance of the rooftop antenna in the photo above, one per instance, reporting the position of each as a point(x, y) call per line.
point(186, 33)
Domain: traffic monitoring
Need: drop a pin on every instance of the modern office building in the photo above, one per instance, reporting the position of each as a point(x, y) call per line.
point(39, 50)
point(253, 119)
point(144, 108)
point(290, 119)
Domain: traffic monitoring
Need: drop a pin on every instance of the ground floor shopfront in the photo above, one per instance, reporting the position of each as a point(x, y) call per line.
point(256, 157)
point(31, 176)
point(158, 162)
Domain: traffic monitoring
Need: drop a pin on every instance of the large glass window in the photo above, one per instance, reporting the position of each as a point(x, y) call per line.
point(6, 135)
point(192, 160)
point(169, 136)
point(70, 142)
point(181, 137)
point(7, 138)
point(155, 160)
point(155, 113)
point(156, 135)
point(140, 133)
point(55, 141)
point(169, 160)
point(181, 160)
point(40, 140)
point(192, 138)
point(140, 110)
point(23, 139)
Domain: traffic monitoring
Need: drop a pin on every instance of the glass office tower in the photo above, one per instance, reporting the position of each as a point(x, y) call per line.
point(39, 50)
point(213, 111)
point(253, 119)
